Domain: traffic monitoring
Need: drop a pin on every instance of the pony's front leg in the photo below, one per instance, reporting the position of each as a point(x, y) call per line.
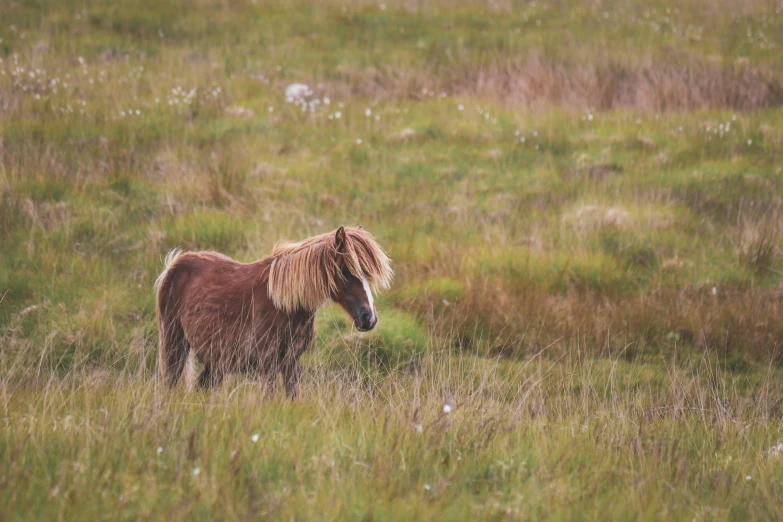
point(292, 370)
point(269, 383)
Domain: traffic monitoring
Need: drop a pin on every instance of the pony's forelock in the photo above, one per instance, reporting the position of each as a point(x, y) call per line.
point(303, 275)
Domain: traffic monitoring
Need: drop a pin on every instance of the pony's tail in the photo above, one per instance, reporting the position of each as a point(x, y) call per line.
point(173, 347)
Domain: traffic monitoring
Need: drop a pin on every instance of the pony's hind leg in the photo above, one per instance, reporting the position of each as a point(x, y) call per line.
point(174, 350)
point(209, 378)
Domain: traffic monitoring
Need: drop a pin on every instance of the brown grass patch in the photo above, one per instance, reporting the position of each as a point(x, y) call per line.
point(656, 87)
point(517, 320)
point(653, 87)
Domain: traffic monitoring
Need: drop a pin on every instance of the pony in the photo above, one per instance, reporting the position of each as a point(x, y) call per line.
point(258, 318)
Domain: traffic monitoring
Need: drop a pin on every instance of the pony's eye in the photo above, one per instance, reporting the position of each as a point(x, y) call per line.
point(346, 272)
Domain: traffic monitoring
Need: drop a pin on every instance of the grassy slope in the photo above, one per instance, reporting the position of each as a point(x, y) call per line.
point(597, 291)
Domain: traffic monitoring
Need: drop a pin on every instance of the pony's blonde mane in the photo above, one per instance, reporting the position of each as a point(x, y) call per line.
point(304, 274)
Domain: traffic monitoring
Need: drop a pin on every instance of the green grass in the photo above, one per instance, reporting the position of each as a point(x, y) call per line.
point(582, 203)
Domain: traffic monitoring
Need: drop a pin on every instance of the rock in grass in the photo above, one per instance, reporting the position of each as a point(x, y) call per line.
point(646, 143)
point(297, 92)
point(240, 112)
point(408, 134)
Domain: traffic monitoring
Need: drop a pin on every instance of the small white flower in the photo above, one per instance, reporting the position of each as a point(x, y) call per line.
point(271, 109)
point(138, 112)
point(419, 428)
point(367, 112)
point(460, 107)
point(358, 141)
point(337, 115)
point(196, 471)
point(714, 290)
point(446, 409)
point(160, 450)
point(326, 101)
point(254, 438)
point(750, 142)
point(427, 487)
point(748, 477)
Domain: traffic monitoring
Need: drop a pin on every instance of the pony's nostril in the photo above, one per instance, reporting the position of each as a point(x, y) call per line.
point(366, 318)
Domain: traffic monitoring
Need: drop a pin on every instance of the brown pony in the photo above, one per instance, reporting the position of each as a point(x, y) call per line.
point(258, 318)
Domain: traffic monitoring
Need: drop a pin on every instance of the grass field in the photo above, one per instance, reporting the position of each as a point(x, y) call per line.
point(582, 201)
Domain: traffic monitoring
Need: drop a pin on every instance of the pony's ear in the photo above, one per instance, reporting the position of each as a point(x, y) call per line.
point(339, 239)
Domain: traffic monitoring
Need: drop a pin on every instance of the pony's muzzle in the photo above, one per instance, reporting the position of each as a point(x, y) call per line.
point(366, 321)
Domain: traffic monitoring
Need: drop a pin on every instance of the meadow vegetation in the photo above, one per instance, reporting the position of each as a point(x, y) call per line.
point(582, 201)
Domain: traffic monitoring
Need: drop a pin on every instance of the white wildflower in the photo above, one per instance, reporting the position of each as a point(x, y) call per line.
point(776, 450)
